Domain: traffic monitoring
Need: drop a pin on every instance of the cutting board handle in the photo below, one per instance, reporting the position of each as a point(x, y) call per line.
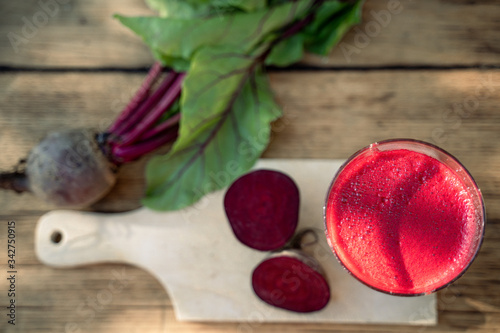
point(67, 238)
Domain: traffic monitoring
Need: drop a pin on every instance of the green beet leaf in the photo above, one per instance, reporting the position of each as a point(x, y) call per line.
point(246, 5)
point(287, 52)
point(176, 63)
point(214, 81)
point(203, 8)
point(227, 107)
point(331, 23)
point(178, 9)
point(174, 38)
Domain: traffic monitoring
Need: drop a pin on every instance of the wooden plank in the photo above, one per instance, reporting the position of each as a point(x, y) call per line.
point(83, 34)
point(76, 33)
point(112, 319)
point(106, 318)
point(119, 285)
point(407, 32)
point(327, 115)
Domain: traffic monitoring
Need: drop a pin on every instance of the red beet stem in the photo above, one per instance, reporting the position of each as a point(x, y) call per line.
point(292, 281)
point(138, 98)
point(170, 122)
point(137, 116)
point(124, 154)
point(149, 119)
point(263, 209)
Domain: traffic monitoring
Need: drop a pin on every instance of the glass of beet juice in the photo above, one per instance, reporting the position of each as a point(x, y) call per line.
point(404, 217)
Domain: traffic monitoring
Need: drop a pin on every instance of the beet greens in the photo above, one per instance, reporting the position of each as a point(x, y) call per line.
point(208, 95)
point(227, 104)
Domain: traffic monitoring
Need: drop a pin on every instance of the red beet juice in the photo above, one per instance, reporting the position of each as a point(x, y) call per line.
point(404, 217)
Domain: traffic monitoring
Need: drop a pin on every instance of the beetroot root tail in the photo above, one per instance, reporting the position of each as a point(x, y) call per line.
point(14, 181)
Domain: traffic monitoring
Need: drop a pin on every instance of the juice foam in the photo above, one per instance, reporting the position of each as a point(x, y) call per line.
point(402, 221)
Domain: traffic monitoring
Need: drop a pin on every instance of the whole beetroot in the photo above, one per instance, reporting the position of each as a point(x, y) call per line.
point(68, 169)
point(74, 168)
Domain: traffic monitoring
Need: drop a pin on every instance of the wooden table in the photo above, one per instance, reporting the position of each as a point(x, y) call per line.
point(429, 72)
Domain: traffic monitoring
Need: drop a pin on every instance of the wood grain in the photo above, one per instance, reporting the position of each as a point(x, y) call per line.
point(83, 34)
point(78, 34)
point(428, 72)
point(328, 114)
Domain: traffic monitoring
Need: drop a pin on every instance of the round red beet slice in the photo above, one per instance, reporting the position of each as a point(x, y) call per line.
point(293, 281)
point(263, 209)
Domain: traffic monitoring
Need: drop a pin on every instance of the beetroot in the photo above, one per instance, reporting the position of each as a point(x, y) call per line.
point(67, 168)
point(76, 167)
point(263, 209)
point(291, 280)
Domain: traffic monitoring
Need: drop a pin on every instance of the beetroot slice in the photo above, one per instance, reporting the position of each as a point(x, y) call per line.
point(291, 281)
point(263, 209)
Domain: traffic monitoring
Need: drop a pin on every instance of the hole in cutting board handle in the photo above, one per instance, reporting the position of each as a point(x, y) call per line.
point(56, 237)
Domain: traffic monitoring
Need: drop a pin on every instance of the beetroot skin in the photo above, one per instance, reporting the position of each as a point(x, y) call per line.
point(263, 209)
point(68, 169)
point(292, 281)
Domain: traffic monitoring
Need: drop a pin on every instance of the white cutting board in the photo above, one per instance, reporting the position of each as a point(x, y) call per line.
point(207, 271)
